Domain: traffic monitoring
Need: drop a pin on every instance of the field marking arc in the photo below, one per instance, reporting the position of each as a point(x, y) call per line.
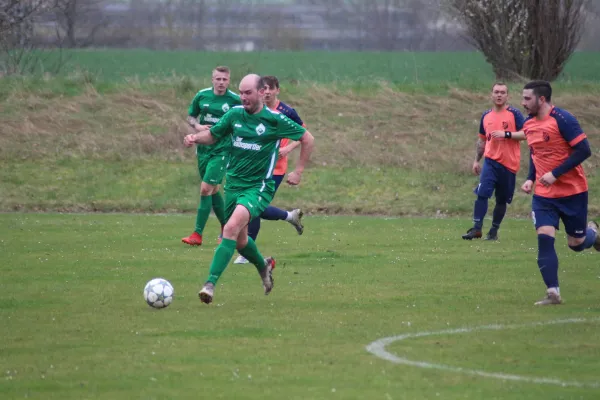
point(377, 348)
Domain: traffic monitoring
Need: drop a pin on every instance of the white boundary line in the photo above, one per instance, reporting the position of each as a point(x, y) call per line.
point(378, 349)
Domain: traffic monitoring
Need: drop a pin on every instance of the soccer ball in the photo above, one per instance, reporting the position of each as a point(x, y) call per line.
point(158, 293)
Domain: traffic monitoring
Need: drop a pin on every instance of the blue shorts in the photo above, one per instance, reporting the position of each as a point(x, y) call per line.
point(572, 210)
point(277, 179)
point(495, 177)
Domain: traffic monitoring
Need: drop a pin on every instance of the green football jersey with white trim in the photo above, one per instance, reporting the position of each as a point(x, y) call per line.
point(209, 108)
point(255, 140)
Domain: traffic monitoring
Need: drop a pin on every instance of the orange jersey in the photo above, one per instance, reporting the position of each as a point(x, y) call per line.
point(550, 142)
point(282, 163)
point(506, 152)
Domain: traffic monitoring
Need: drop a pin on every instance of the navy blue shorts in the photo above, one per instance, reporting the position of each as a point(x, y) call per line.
point(572, 210)
point(277, 179)
point(495, 177)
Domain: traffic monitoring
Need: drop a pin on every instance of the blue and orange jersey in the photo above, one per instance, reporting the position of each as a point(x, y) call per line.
point(282, 163)
point(550, 141)
point(506, 152)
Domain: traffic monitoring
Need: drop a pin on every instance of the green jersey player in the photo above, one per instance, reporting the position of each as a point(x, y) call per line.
point(207, 108)
point(255, 133)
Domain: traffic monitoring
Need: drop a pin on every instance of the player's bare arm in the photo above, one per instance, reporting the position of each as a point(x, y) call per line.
point(202, 137)
point(479, 151)
point(520, 135)
point(285, 151)
point(307, 143)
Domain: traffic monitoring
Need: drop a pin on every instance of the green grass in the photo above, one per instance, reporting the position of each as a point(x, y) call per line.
point(75, 324)
point(158, 186)
point(466, 69)
point(161, 186)
point(87, 142)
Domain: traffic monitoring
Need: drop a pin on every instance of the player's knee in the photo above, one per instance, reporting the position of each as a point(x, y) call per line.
point(241, 243)
point(546, 230)
point(206, 189)
point(576, 244)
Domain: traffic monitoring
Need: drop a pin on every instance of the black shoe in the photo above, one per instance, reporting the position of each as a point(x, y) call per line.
point(472, 234)
point(492, 235)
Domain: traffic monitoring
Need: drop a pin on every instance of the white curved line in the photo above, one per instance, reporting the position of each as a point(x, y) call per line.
point(378, 349)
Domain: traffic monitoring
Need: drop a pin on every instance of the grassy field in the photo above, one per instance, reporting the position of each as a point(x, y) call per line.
point(75, 324)
point(467, 69)
point(395, 137)
point(79, 143)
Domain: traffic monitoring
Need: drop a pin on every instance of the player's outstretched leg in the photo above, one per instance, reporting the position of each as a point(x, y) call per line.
point(294, 217)
point(548, 265)
point(479, 211)
point(498, 216)
point(253, 229)
point(264, 266)
point(223, 254)
point(593, 225)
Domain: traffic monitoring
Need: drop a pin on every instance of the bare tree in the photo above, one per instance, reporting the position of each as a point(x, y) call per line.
point(19, 53)
point(523, 38)
point(80, 20)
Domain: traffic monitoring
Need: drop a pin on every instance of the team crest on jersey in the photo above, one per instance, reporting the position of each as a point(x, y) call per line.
point(505, 124)
point(546, 136)
point(260, 129)
point(225, 107)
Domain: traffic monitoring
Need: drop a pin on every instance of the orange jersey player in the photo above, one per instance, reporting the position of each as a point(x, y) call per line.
point(499, 136)
point(557, 147)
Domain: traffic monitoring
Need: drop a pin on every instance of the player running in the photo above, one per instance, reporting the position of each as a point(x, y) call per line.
point(256, 133)
point(207, 108)
point(557, 147)
point(272, 213)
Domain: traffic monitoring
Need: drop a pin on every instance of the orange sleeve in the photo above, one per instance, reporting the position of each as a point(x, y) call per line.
point(577, 140)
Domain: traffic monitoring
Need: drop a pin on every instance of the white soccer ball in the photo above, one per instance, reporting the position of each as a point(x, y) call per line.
point(158, 293)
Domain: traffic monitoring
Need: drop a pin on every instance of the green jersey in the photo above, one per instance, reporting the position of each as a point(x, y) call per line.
point(255, 142)
point(209, 108)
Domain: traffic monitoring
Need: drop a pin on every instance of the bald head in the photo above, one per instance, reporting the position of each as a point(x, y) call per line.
point(251, 92)
point(251, 80)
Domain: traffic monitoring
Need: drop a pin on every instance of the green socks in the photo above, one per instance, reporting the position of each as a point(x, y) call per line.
point(218, 206)
point(251, 253)
point(223, 255)
point(203, 213)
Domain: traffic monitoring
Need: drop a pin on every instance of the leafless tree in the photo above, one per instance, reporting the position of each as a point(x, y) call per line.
point(19, 53)
point(80, 20)
point(523, 38)
point(18, 15)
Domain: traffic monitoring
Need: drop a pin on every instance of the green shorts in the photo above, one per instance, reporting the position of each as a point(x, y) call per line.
point(212, 168)
point(255, 199)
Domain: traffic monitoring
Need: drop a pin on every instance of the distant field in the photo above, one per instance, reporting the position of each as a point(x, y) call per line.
point(468, 69)
point(75, 325)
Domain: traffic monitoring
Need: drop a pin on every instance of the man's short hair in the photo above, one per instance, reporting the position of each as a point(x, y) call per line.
point(271, 81)
point(540, 88)
point(499, 83)
point(222, 68)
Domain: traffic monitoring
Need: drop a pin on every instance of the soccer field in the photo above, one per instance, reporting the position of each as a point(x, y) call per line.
point(75, 324)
